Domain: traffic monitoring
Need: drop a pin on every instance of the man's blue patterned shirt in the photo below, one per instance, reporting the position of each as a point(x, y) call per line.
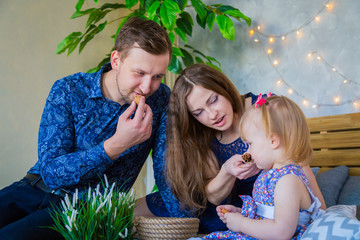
point(76, 121)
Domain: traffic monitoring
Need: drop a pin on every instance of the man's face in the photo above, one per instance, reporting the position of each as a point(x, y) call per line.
point(140, 73)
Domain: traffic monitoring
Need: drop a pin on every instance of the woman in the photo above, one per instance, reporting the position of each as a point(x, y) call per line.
point(203, 159)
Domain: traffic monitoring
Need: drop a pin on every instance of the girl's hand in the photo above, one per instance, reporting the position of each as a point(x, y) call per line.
point(233, 221)
point(221, 210)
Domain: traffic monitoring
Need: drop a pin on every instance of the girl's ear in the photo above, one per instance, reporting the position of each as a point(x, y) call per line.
point(274, 141)
point(115, 60)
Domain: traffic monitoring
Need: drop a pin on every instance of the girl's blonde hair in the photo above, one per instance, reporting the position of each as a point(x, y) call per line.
point(190, 161)
point(283, 117)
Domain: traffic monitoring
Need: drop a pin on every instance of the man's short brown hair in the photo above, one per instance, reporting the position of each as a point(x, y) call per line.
point(150, 37)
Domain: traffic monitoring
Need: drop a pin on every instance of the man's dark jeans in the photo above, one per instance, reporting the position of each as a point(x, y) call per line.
point(25, 212)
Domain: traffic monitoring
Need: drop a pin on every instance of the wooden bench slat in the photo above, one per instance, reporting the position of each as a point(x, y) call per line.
point(336, 122)
point(348, 139)
point(353, 171)
point(349, 157)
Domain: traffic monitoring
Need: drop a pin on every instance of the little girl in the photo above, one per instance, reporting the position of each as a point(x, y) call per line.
point(283, 204)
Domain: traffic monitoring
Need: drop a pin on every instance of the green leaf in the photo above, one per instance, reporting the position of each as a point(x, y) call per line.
point(130, 3)
point(200, 53)
point(210, 59)
point(73, 46)
point(223, 8)
point(175, 65)
point(187, 59)
point(96, 16)
point(168, 12)
point(177, 52)
point(187, 17)
point(198, 60)
point(214, 66)
point(210, 20)
point(172, 37)
point(237, 14)
point(112, 6)
point(148, 3)
point(82, 13)
point(199, 8)
point(202, 23)
point(226, 27)
point(184, 25)
point(64, 44)
point(79, 4)
point(181, 34)
point(96, 1)
point(152, 10)
point(182, 4)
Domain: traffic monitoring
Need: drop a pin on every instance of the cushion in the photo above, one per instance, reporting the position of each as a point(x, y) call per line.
point(338, 222)
point(350, 193)
point(331, 182)
point(315, 170)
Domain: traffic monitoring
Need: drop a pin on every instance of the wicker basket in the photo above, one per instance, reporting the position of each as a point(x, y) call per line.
point(152, 228)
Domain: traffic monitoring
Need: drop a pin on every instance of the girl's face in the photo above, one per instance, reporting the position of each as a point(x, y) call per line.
point(210, 108)
point(260, 146)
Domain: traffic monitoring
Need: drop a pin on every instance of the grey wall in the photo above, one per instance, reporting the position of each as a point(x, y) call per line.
point(30, 32)
point(336, 37)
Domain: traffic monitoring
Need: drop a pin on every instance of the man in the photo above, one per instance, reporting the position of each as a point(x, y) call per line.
point(90, 127)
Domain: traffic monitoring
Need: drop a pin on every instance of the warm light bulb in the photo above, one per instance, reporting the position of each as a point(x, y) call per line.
point(276, 62)
point(310, 55)
point(290, 91)
point(252, 31)
point(329, 6)
point(306, 102)
point(269, 51)
point(314, 106)
point(345, 81)
point(298, 32)
point(258, 27)
point(256, 40)
point(334, 69)
point(318, 58)
point(271, 39)
point(279, 82)
point(283, 38)
point(337, 99)
point(356, 104)
point(317, 18)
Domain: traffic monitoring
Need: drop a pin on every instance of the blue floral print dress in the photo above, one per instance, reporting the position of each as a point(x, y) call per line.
point(261, 205)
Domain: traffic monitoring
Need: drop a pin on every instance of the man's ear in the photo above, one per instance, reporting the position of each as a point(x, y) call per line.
point(275, 141)
point(115, 60)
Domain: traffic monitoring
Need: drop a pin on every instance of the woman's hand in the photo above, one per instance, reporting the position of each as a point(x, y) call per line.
point(235, 167)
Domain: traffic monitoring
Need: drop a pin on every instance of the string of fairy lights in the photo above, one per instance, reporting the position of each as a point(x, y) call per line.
point(257, 34)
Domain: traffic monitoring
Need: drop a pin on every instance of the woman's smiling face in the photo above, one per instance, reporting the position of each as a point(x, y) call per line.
point(210, 108)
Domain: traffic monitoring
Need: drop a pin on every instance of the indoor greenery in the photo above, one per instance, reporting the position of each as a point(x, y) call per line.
point(102, 213)
point(174, 15)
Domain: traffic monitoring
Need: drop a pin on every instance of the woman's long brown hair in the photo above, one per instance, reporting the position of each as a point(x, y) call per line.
point(190, 162)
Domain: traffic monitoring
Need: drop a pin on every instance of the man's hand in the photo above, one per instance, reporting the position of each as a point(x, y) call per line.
point(130, 132)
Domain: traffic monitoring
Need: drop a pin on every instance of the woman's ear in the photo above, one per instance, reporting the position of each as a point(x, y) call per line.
point(275, 141)
point(115, 60)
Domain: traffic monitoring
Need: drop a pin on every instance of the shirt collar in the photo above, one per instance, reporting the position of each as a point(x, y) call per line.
point(96, 88)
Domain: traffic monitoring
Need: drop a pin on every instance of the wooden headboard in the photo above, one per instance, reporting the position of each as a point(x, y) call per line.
point(336, 141)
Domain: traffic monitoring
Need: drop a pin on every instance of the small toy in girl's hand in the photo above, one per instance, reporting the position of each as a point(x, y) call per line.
point(247, 157)
point(224, 210)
